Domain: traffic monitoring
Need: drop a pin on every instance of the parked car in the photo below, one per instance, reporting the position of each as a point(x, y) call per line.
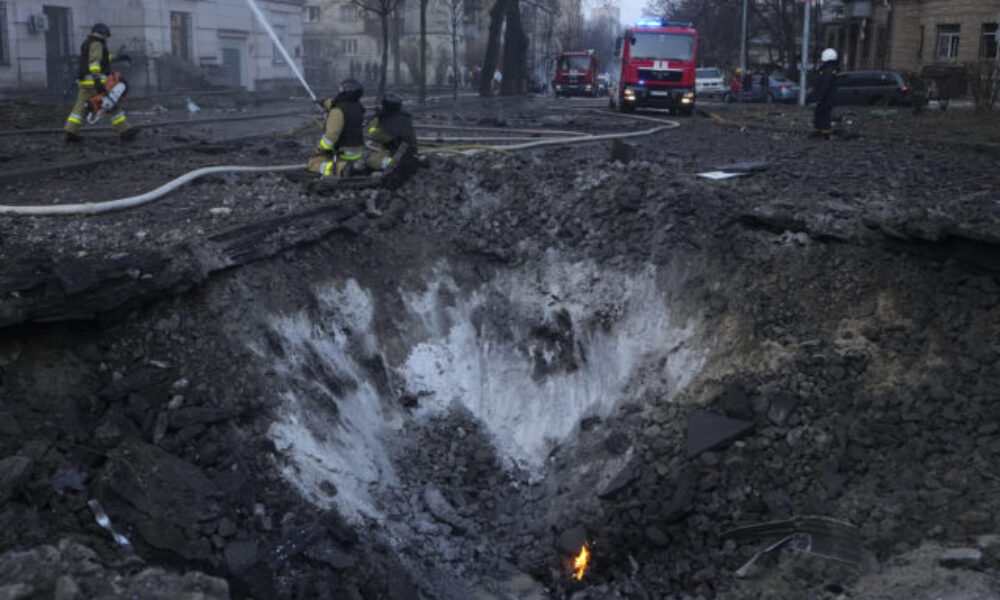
point(708, 82)
point(779, 89)
point(880, 88)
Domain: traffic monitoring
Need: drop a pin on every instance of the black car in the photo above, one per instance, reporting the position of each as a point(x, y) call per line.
point(880, 88)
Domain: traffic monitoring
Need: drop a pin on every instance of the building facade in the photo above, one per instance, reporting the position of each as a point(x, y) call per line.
point(173, 43)
point(910, 34)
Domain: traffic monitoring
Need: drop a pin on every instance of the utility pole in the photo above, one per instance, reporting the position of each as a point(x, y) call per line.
point(805, 54)
point(743, 42)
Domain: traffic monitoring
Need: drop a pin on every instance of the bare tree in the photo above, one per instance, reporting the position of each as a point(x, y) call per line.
point(455, 11)
point(383, 9)
point(515, 44)
point(717, 22)
point(497, 15)
point(423, 51)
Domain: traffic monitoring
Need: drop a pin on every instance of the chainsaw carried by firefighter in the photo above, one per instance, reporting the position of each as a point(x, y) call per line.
point(115, 88)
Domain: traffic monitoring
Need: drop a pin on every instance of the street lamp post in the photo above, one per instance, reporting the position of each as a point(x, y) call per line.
point(805, 54)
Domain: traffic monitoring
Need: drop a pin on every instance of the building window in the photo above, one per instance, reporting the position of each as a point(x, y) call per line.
point(988, 46)
point(349, 46)
point(279, 31)
point(348, 13)
point(920, 46)
point(312, 14)
point(947, 42)
point(4, 47)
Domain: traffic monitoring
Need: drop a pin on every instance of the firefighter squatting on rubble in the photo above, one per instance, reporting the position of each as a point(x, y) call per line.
point(92, 79)
point(391, 128)
point(823, 93)
point(343, 141)
point(342, 144)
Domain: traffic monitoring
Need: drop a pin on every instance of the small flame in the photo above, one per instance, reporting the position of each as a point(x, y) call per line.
point(580, 562)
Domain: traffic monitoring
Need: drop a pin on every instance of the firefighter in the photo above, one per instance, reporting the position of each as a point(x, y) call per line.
point(343, 139)
point(824, 92)
point(391, 127)
point(92, 74)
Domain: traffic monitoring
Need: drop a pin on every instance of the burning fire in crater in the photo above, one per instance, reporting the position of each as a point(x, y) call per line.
point(580, 562)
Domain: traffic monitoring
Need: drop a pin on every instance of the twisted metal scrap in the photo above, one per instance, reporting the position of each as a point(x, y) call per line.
point(821, 536)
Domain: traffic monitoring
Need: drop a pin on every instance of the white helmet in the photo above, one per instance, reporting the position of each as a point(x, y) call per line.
point(829, 55)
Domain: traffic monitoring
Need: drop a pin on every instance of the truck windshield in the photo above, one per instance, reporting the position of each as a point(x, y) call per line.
point(663, 46)
point(576, 63)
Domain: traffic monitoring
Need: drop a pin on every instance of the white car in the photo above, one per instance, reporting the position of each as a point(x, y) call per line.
point(708, 82)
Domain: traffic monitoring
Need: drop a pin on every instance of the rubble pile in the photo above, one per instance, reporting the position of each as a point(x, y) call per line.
point(685, 356)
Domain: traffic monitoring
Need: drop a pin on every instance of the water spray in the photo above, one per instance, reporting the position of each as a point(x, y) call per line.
point(281, 47)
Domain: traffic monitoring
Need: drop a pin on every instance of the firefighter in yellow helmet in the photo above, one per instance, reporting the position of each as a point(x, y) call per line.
point(391, 128)
point(343, 138)
point(92, 74)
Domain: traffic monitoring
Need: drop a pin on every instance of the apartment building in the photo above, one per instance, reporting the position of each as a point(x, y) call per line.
point(933, 32)
point(910, 34)
point(173, 43)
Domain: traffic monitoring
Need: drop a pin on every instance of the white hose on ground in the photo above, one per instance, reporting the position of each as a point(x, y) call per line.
point(91, 208)
point(590, 138)
point(133, 201)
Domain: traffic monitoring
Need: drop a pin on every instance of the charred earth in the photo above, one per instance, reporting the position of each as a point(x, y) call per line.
point(524, 354)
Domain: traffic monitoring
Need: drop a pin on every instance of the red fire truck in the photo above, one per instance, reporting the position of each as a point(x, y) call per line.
point(576, 74)
point(657, 66)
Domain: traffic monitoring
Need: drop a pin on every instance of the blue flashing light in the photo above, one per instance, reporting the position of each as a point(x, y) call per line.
point(642, 82)
point(649, 23)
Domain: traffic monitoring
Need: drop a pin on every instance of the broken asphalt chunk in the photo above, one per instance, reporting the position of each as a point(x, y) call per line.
point(707, 431)
point(161, 484)
point(618, 483)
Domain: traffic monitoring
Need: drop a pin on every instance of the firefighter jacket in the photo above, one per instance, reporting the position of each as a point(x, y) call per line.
point(826, 83)
point(95, 61)
point(344, 128)
point(392, 130)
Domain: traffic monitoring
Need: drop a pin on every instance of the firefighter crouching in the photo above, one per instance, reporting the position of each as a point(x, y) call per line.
point(92, 75)
point(824, 92)
point(391, 127)
point(343, 139)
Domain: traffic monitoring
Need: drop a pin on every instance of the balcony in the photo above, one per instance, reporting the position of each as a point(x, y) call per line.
point(838, 11)
point(859, 9)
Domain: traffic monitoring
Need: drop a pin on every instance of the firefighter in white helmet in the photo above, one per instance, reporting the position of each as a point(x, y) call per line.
point(824, 93)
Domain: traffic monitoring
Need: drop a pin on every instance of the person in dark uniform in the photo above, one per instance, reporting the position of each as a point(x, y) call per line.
point(391, 128)
point(343, 140)
point(824, 93)
point(92, 75)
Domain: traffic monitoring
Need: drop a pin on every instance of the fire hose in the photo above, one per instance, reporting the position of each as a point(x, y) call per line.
point(91, 208)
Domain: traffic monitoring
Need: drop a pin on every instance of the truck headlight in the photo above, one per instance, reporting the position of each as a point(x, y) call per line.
point(589, 86)
point(629, 94)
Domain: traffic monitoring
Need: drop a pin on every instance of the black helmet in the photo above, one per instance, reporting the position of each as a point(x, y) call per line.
point(391, 103)
point(351, 89)
point(102, 29)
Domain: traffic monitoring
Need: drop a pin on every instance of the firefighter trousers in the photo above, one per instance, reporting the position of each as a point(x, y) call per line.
point(379, 161)
point(86, 91)
point(328, 164)
point(823, 117)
